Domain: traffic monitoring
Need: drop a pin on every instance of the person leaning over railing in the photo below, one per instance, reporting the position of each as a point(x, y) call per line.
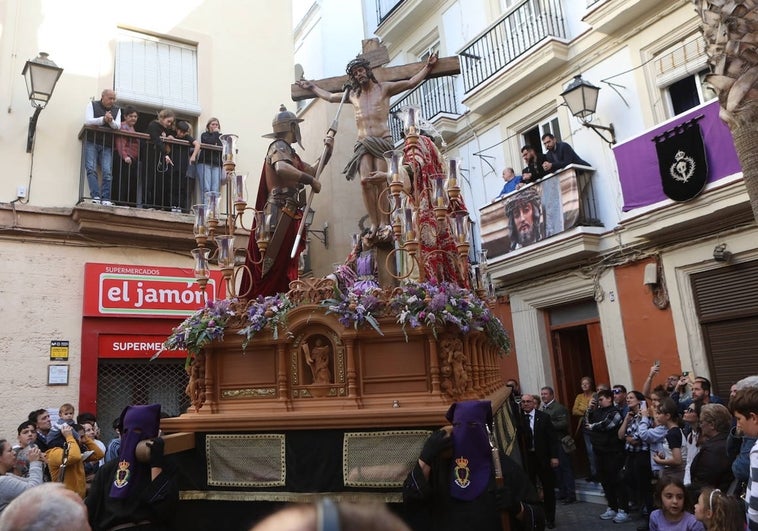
point(98, 148)
point(158, 161)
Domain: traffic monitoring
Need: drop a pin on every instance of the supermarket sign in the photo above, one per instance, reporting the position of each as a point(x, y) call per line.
point(144, 291)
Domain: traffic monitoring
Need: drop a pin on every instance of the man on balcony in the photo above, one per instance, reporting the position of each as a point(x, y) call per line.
point(559, 155)
point(510, 182)
point(371, 101)
point(533, 171)
point(98, 147)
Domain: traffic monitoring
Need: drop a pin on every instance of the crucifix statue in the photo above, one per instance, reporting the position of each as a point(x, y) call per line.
point(370, 91)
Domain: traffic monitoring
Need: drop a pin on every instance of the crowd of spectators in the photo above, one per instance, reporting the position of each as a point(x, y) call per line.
point(655, 451)
point(66, 451)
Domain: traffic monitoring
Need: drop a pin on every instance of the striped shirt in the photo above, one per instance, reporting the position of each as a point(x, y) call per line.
point(752, 490)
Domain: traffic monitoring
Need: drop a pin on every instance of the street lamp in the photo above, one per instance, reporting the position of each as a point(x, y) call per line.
point(581, 98)
point(324, 234)
point(41, 75)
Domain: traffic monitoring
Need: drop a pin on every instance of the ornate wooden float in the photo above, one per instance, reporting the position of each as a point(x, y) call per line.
point(319, 373)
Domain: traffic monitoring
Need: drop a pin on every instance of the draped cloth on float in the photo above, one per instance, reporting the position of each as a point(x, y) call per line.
point(426, 163)
point(284, 269)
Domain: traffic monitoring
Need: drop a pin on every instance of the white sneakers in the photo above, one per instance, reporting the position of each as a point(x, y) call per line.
point(105, 202)
point(622, 517)
point(609, 514)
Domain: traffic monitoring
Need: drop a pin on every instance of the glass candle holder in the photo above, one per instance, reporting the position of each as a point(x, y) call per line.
point(201, 269)
point(212, 201)
point(229, 151)
point(439, 194)
point(262, 232)
point(411, 120)
point(452, 174)
point(240, 191)
point(394, 160)
point(225, 251)
point(409, 224)
point(460, 227)
point(200, 228)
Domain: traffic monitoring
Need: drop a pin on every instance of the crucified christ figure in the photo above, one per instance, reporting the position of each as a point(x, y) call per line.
point(371, 101)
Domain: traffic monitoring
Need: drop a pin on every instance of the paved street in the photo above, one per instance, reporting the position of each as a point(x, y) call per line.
point(584, 516)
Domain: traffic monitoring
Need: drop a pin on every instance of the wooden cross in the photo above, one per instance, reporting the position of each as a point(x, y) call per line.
point(377, 55)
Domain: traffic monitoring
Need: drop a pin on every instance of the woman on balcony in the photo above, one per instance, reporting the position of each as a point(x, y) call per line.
point(158, 161)
point(209, 162)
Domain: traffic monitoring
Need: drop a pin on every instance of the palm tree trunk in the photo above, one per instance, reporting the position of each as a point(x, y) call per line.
point(745, 136)
point(730, 28)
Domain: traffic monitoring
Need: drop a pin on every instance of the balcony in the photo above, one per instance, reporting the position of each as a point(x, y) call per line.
point(151, 204)
point(607, 16)
point(510, 38)
point(536, 215)
point(398, 17)
point(437, 99)
point(650, 214)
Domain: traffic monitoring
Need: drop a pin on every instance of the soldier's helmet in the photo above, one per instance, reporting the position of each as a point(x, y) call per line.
point(284, 122)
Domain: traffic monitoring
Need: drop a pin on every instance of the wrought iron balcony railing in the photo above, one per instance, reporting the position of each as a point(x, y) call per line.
point(509, 38)
point(144, 183)
point(434, 96)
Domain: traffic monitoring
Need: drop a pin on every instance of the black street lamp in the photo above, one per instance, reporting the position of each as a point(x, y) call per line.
point(41, 75)
point(581, 98)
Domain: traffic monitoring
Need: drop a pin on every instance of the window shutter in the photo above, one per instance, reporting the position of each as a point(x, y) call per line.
point(681, 60)
point(156, 72)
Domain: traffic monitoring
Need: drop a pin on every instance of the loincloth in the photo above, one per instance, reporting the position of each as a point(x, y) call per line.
point(371, 145)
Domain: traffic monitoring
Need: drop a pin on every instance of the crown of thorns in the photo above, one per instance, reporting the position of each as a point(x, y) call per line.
point(360, 61)
point(530, 195)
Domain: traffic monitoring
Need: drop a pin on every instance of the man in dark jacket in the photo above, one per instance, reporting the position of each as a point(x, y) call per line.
point(559, 155)
point(560, 417)
point(541, 453)
point(603, 422)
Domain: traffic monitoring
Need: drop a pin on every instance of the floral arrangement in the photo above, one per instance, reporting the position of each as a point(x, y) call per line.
point(445, 304)
point(355, 304)
point(266, 311)
point(196, 331)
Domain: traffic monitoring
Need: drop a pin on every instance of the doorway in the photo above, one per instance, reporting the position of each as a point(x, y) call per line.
point(577, 351)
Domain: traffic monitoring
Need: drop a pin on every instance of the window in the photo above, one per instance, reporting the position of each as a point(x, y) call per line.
point(157, 73)
point(533, 135)
point(679, 71)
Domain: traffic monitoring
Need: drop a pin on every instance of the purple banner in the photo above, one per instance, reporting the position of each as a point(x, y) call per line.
point(637, 160)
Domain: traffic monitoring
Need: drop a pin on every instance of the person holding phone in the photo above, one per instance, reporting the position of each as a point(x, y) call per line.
point(637, 473)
